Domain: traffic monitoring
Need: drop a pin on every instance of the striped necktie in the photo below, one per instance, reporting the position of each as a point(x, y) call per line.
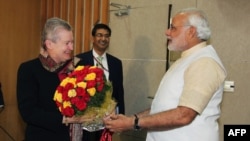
point(99, 63)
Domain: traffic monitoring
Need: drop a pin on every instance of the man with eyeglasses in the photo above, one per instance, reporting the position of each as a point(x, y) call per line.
point(111, 65)
point(186, 106)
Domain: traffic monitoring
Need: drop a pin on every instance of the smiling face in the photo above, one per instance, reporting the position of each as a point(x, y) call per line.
point(61, 49)
point(101, 40)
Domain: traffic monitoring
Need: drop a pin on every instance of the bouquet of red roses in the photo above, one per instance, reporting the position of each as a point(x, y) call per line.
point(85, 91)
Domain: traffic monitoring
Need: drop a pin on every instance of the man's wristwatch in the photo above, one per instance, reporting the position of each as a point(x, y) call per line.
point(136, 126)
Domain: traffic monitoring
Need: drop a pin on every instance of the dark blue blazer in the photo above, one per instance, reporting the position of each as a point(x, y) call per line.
point(115, 75)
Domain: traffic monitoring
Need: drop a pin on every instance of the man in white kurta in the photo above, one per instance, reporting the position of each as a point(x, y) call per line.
point(192, 66)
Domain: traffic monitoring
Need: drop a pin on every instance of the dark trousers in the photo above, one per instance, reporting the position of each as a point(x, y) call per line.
point(91, 136)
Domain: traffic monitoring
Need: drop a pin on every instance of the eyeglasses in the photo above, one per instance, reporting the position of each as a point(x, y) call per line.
point(173, 28)
point(99, 35)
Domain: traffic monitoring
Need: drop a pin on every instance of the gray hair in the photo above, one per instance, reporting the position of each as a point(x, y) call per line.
point(198, 19)
point(51, 27)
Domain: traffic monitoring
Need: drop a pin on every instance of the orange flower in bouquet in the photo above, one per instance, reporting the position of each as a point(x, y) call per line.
point(85, 91)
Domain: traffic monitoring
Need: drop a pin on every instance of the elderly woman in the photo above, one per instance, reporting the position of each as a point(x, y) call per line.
point(38, 79)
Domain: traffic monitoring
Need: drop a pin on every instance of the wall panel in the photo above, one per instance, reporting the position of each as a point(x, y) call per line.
point(19, 41)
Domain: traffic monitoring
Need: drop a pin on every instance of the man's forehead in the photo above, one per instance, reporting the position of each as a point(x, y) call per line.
point(179, 19)
point(102, 31)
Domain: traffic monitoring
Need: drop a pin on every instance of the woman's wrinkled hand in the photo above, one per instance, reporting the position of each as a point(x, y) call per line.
point(78, 119)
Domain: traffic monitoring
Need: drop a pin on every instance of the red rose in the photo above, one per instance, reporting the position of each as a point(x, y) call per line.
point(100, 87)
point(79, 103)
point(68, 111)
point(91, 83)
